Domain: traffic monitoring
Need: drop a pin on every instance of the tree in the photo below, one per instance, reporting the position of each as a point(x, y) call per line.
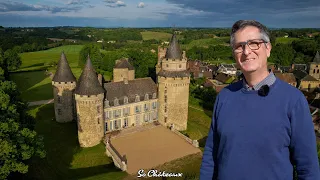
point(282, 54)
point(12, 60)
point(94, 52)
point(18, 140)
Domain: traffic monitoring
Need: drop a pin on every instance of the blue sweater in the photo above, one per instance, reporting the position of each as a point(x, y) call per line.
point(260, 138)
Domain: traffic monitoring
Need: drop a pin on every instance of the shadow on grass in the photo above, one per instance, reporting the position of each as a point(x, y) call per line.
point(34, 65)
point(64, 158)
point(202, 141)
point(41, 92)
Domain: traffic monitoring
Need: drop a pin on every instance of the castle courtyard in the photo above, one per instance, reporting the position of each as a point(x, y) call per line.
point(150, 146)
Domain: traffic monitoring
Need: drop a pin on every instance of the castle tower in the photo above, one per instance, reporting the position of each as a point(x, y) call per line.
point(123, 70)
point(314, 67)
point(63, 83)
point(173, 86)
point(89, 96)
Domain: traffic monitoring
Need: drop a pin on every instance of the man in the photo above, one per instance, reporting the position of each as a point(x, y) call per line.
point(261, 126)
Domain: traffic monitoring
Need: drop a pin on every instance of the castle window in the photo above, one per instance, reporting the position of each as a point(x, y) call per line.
point(117, 113)
point(318, 71)
point(154, 95)
point(116, 102)
point(179, 65)
point(107, 127)
point(146, 97)
point(125, 100)
point(98, 109)
point(165, 119)
point(116, 124)
point(146, 117)
point(106, 103)
point(154, 105)
point(314, 71)
point(59, 112)
point(165, 91)
point(154, 115)
point(137, 98)
point(137, 109)
point(165, 109)
point(59, 99)
point(165, 98)
point(111, 126)
point(108, 114)
point(146, 107)
point(98, 120)
point(126, 111)
point(125, 122)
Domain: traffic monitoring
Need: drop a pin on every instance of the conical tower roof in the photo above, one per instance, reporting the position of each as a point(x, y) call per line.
point(173, 51)
point(317, 58)
point(88, 83)
point(63, 73)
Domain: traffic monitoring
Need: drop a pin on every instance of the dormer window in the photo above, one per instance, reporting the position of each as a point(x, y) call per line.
point(125, 100)
point(106, 103)
point(137, 98)
point(116, 102)
point(154, 95)
point(146, 97)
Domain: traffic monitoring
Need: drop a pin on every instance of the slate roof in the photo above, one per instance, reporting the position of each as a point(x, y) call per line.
point(316, 58)
point(173, 51)
point(287, 77)
point(123, 64)
point(222, 77)
point(88, 83)
point(134, 87)
point(165, 73)
point(63, 73)
point(299, 74)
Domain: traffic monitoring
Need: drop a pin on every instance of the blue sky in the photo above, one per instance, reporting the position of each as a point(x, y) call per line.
point(158, 13)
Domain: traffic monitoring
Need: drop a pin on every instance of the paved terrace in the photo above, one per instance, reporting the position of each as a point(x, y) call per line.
point(149, 146)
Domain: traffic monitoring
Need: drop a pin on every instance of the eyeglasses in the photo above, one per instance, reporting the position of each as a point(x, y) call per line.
point(253, 44)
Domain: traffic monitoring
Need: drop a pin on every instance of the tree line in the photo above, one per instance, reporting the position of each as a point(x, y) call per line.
point(19, 141)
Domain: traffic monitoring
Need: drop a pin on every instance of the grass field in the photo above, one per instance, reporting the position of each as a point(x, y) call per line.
point(206, 42)
point(65, 159)
point(35, 85)
point(285, 40)
point(147, 35)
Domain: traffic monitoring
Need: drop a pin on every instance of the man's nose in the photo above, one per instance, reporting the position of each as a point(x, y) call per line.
point(246, 49)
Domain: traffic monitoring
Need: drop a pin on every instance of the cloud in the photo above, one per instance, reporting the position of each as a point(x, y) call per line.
point(9, 6)
point(141, 5)
point(114, 3)
point(77, 2)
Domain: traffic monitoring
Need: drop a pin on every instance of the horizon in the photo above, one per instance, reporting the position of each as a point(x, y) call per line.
point(289, 14)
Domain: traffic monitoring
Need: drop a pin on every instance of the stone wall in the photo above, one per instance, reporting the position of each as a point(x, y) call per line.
point(117, 160)
point(120, 74)
point(173, 101)
point(314, 70)
point(194, 143)
point(304, 85)
point(90, 119)
point(64, 101)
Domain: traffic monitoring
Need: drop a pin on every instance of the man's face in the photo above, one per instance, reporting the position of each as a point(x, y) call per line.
point(251, 60)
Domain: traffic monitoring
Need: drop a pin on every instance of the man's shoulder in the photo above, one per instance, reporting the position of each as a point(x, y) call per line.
point(287, 89)
point(231, 88)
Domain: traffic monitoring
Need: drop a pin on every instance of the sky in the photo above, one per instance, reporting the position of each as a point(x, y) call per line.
point(159, 13)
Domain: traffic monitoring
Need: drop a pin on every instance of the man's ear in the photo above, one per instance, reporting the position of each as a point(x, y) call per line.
point(268, 48)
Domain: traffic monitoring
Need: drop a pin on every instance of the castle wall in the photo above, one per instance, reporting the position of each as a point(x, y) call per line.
point(64, 101)
point(120, 74)
point(128, 115)
point(174, 65)
point(173, 101)
point(131, 75)
point(90, 119)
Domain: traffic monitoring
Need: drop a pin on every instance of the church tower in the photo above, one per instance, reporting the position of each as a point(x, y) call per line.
point(314, 67)
point(63, 83)
point(89, 96)
point(173, 86)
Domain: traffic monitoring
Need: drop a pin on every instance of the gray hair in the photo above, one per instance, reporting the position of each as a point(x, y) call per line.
point(244, 23)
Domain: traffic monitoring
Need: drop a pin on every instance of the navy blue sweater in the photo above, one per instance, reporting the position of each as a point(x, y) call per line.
point(256, 138)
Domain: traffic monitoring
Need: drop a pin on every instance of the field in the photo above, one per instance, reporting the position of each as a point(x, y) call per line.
point(147, 35)
point(31, 78)
point(285, 40)
point(65, 159)
point(207, 42)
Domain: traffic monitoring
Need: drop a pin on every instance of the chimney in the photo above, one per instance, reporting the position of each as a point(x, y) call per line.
point(100, 79)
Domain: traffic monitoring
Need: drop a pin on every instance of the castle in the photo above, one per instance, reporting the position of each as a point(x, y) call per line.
point(100, 108)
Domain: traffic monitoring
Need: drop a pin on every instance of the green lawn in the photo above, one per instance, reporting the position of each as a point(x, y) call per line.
point(35, 85)
point(38, 59)
point(285, 40)
point(147, 35)
point(65, 159)
point(207, 42)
